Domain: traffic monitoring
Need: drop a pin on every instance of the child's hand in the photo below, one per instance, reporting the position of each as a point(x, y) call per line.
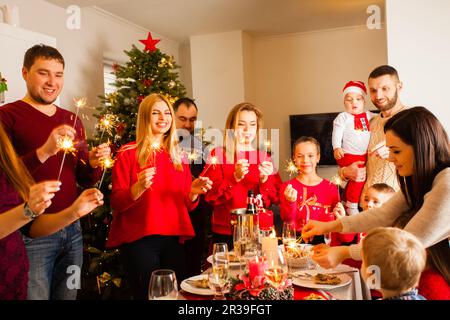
point(338, 153)
point(380, 150)
point(290, 193)
point(339, 210)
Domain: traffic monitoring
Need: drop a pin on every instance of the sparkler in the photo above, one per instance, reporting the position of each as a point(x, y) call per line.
point(106, 164)
point(66, 144)
point(79, 103)
point(212, 162)
point(107, 122)
point(290, 168)
point(155, 147)
point(337, 181)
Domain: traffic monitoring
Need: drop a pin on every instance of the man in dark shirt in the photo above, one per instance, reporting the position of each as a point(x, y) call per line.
point(185, 116)
point(36, 126)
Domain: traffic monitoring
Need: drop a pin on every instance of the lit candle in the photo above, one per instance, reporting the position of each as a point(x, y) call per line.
point(256, 269)
point(269, 245)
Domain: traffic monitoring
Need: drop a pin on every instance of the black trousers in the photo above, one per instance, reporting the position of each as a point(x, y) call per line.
point(141, 257)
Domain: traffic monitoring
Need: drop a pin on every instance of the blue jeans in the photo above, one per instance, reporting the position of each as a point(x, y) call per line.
point(50, 258)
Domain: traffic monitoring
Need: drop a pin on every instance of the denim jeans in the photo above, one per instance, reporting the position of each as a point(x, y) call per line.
point(50, 258)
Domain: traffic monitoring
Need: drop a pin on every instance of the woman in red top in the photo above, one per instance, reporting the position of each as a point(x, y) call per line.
point(240, 167)
point(308, 196)
point(152, 192)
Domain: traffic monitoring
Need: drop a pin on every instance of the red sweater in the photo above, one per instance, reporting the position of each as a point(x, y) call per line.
point(161, 210)
point(29, 129)
point(227, 194)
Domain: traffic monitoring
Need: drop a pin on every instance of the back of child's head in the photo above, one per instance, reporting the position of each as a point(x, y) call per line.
point(399, 255)
point(382, 188)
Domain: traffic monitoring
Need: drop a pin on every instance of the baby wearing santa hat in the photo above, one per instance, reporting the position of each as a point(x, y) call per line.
point(351, 134)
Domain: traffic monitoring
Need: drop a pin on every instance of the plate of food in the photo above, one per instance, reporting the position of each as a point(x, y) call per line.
point(234, 260)
point(197, 285)
point(318, 279)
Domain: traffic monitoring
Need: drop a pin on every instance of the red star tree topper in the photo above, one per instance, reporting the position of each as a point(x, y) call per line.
point(150, 43)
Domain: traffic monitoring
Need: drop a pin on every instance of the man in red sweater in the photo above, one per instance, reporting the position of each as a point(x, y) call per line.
point(34, 125)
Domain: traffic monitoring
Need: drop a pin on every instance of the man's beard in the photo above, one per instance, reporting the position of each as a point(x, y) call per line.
point(390, 104)
point(41, 100)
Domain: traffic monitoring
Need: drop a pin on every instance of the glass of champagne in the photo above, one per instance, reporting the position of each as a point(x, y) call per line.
point(218, 277)
point(163, 285)
point(289, 235)
point(239, 244)
point(276, 270)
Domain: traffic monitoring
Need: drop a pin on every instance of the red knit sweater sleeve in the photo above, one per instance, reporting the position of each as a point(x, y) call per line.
point(287, 209)
point(222, 188)
point(122, 180)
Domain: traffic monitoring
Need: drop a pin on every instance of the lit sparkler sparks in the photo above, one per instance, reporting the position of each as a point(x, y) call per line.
point(291, 168)
point(107, 122)
point(337, 181)
point(212, 162)
point(66, 144)
point(106, 163)
point(79, 103)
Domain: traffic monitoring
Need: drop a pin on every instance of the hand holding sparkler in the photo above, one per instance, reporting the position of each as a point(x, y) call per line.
point(87, 201)
point(53, 144)
point(201, 185)
point(241, 168)
point(339, 211)
point(290, 193)
point(98, 154)
point(265, 170)
point(144, 181)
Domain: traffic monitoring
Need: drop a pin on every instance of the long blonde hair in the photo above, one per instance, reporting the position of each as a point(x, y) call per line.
point(230, 138)
point(13, 167)
point(145, 137)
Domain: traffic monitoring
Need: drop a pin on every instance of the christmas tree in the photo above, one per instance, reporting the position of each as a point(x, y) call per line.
point(148, 71)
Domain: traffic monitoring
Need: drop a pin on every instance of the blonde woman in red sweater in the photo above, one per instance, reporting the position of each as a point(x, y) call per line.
point(152, 194)
point(240, 167)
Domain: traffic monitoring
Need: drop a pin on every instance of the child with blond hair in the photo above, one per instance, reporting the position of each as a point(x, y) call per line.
point(392, 261)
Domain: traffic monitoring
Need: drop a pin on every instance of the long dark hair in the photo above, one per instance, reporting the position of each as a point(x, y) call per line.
point(420, 129)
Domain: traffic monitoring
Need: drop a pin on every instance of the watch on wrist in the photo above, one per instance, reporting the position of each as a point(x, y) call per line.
point(27, 212)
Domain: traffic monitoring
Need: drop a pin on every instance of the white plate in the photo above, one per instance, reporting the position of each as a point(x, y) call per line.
point(232, 263)
point(309, 283)
point(192, 289)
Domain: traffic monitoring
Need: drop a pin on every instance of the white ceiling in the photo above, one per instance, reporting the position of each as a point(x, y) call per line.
point(180, 19)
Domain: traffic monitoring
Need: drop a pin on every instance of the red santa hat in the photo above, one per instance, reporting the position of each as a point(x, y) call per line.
point(355, 86)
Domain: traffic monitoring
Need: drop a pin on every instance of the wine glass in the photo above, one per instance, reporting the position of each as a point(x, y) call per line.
point(276, 270)
point(218, 276)
point(163, 285)
point(289, 234)
point(239, 243)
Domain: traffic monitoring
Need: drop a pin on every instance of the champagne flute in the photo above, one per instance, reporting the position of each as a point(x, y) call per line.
point(218, 277)
point(163, 285)
point(289, 234)
point(276, 271)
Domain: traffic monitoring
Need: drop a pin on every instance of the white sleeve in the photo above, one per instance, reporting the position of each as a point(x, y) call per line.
point(338, 130)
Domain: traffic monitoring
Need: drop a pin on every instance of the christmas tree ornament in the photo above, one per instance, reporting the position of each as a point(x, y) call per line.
point(150, 43)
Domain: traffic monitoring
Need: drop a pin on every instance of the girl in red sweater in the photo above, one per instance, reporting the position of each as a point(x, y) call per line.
point(308, 196)
point(240, 167)
point(151, 195)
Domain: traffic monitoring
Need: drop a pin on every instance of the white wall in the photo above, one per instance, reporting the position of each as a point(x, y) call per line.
point(100, 35)
point(217, 75)
point(418, 37)
point(305, 73)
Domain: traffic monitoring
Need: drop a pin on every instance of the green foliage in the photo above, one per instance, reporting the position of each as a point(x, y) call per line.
point(145, 73)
